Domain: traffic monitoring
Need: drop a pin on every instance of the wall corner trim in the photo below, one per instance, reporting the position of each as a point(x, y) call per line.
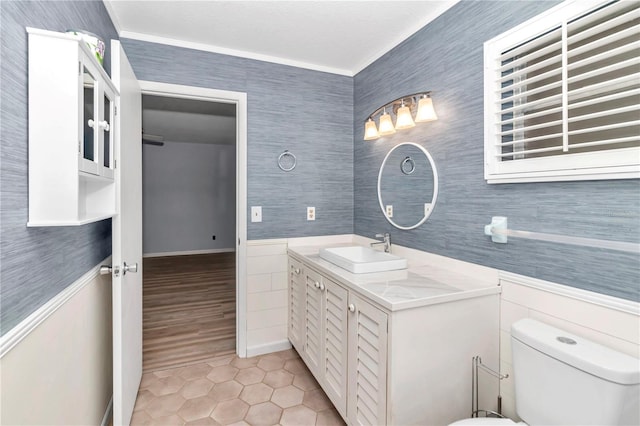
point(604, 300)
point(26, 326)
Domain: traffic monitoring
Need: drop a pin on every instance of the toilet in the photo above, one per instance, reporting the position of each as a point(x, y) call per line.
point(563, 379)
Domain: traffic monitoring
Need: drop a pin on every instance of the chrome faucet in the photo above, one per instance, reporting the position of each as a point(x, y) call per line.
point(386, 241)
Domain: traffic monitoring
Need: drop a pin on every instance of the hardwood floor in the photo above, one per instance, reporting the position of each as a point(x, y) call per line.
point(189, 309)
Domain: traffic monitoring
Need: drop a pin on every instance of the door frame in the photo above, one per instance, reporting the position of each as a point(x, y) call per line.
point(240, 100)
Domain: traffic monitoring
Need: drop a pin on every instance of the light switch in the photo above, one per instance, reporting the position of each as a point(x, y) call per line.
point(389, 210)
point(256, 213)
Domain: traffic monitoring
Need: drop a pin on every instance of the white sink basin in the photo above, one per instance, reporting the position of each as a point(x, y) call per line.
point(362, 260)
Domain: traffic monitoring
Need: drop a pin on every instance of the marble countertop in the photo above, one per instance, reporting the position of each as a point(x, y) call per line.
point(403, 289)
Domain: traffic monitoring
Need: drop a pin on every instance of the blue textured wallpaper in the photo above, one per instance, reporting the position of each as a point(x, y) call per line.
point(309, 113)
point(319, 117)
point(446, 57)
point(37, 263)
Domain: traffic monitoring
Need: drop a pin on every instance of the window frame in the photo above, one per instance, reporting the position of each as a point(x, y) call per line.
point(618, 163)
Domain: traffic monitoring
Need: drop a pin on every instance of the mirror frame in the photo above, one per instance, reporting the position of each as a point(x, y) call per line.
point(435, 185)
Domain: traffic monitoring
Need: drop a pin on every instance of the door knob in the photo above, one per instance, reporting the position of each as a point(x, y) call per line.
point(352, 307)
point(129, 268)
point(108, 269)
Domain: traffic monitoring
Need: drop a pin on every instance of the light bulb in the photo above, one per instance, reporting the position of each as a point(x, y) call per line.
point(404, 119)
point(370, 130)
point(425, 110)
point(386, 125)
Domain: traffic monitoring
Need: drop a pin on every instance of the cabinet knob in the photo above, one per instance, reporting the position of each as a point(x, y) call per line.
point(90, 123)
point(297, 271)
point(321, 287)
point(104, 125)
point(352, 307)
point(317, 284)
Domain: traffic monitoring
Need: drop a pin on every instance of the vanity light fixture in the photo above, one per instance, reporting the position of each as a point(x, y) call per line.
point(420, 102)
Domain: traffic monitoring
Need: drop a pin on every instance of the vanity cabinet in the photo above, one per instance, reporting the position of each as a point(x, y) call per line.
point(313, 310)
point(367, 366)
point(297, 300)
point(72, 106)
point(392, 364)
point(343, 343)
point(325, 337)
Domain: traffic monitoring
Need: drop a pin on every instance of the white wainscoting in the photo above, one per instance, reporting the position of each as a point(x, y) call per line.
point(267, 290)
point(56, 365)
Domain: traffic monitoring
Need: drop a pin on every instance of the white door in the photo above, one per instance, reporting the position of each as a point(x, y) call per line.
point(127, 240)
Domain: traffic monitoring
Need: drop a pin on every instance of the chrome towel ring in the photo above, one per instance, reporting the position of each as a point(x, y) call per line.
point(287, 161)
point(408, 166)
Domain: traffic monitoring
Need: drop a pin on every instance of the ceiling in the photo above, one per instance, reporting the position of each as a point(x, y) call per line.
point(341, 37)
point(166, 119)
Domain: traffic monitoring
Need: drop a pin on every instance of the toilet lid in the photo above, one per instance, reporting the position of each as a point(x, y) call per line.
point(484, 421)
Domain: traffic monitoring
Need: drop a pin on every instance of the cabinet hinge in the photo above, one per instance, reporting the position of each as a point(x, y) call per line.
point(115, 110)
point(79, 68)
point(79, 146)
point(115, 164)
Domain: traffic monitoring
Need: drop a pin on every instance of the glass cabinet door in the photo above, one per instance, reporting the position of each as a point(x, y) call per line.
point(106, 133)
point(89, 134)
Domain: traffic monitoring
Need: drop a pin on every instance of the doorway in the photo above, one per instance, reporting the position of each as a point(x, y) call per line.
point(199, 230)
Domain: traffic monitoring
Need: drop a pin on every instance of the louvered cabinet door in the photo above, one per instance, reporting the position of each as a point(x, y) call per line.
point(335, 300)
point(297, 290)
point(367, 399)
point(313, 322)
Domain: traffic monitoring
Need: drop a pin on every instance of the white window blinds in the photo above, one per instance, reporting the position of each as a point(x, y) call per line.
point(562, 95)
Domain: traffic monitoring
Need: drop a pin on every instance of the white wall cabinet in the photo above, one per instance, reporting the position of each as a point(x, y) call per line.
point(71, 132)
point(391, 366)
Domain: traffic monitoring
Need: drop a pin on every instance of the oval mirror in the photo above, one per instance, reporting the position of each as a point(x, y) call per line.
point(407, 185)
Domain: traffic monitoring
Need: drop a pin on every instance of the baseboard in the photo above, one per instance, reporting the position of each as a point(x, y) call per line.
point(27, 325)
point(107, 414)
point(189, 252)
point(267, 348)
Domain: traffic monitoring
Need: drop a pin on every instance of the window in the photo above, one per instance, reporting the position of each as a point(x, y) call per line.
point(562, 95)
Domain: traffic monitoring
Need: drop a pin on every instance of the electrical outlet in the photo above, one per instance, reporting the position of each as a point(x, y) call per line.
point(311, 213)
point(390, 210)
point(256, 213)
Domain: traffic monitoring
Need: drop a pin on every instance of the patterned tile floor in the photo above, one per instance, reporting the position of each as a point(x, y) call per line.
point(270, 389)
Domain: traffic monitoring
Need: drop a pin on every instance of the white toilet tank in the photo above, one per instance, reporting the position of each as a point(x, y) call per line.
point(563, 379)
